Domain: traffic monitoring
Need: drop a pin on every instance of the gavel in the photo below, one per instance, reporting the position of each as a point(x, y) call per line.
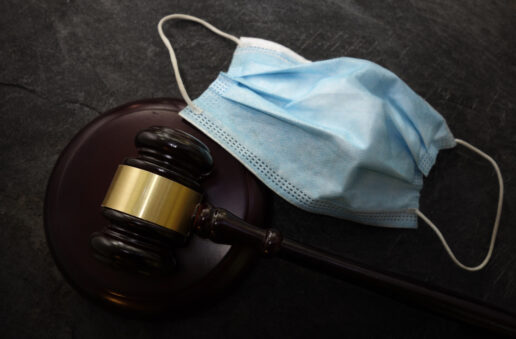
point(155, 202)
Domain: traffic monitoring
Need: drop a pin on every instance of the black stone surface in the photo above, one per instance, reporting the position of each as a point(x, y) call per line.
point(65, 62)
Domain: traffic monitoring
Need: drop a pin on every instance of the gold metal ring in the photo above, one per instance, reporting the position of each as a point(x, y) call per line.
point(151, 197)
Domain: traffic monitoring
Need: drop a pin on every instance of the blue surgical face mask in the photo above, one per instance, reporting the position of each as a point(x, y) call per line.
point(343, 137)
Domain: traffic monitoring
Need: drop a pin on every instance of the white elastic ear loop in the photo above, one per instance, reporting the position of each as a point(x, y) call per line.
point(173, 58)
point(496, 222)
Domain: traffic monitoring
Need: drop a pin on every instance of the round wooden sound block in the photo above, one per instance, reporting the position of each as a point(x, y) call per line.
point(72, 213)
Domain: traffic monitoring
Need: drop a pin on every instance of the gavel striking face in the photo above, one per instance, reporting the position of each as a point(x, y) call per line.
point(151, 201)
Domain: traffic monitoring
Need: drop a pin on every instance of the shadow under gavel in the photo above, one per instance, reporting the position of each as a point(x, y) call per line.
point(155, 202)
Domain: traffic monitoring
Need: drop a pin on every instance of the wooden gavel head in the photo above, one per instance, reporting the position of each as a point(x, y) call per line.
point(151, 201)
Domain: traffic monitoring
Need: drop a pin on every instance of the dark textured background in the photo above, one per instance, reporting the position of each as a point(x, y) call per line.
point(64, 62)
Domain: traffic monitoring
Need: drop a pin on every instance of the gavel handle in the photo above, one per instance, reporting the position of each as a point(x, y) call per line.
point(222, 226)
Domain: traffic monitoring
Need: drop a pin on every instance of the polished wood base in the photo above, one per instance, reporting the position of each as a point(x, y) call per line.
point(72, 213)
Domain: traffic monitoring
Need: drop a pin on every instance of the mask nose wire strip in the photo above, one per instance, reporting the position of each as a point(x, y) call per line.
point(496, 222)
point(173, 58)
